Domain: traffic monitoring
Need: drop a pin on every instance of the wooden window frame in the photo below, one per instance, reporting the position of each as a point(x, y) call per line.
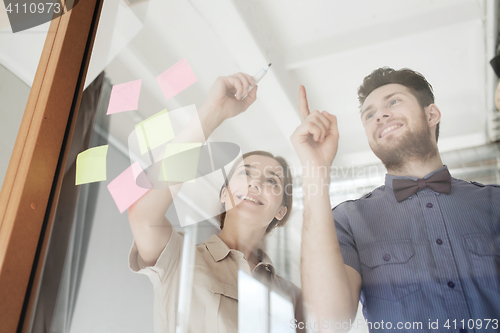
point(32, 184)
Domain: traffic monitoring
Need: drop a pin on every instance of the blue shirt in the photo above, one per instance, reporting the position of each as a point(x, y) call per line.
point(432, 257)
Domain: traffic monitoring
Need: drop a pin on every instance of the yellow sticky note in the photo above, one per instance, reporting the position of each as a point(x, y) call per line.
point(154, 131)
point(180, 168)
point(91, 165)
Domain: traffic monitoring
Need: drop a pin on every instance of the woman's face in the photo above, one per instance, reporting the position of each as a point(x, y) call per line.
point(257, 188)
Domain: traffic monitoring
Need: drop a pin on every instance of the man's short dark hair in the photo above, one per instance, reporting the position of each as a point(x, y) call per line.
point(416, 82)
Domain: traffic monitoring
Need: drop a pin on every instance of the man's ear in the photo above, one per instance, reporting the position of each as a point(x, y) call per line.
point(280, 214)
point(433, 115)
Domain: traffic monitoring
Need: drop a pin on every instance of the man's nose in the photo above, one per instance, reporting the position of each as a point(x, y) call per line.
point(382, 114)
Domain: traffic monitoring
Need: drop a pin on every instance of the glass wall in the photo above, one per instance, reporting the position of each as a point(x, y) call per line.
point(154, 65)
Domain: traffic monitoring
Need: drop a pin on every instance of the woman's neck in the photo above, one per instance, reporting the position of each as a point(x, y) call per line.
point(244, 239)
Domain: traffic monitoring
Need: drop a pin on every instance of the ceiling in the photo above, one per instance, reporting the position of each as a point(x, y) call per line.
point(328, 46)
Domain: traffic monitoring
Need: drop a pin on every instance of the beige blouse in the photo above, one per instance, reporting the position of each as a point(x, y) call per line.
point(214, 299)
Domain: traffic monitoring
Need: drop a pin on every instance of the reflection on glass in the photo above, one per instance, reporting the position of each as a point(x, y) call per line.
point(253, 304)
point(186, 278)
point(281, 310)
point(261, 309)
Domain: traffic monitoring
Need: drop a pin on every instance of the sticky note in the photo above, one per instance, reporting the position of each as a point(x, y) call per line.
point(176, 79)
point(180, 162)
point(124, 97)
point(91, 165)
point(124, 188)
point(203, 194)
point(154, 131)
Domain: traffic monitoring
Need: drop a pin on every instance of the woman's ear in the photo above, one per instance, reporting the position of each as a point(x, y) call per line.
point(223, 195)
point(280, 214)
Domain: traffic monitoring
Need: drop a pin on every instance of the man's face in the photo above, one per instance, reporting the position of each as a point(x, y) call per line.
point(396, 125)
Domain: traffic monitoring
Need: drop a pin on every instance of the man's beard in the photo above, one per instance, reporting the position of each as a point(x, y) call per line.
point(414, 145)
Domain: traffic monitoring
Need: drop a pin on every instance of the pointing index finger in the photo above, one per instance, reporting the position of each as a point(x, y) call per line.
point(303, 107)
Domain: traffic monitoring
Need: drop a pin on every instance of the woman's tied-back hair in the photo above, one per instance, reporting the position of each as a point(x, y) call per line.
point(287, 189)
point(416, 82)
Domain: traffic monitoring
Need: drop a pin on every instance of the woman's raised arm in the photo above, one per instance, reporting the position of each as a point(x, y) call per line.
point(150, 228)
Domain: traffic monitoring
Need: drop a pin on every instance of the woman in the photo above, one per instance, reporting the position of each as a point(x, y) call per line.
point(259, 203)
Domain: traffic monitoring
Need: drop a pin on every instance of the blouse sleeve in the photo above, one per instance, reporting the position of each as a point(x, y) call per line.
point(167, 264)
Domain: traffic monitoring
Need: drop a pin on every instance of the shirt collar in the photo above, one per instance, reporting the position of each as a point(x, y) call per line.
point(390, 178)
point(265, 262)
point(219, 250)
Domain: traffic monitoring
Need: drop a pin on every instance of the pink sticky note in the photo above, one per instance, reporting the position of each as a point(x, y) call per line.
point(124, 97)
point(124, 189)
point(176, 79)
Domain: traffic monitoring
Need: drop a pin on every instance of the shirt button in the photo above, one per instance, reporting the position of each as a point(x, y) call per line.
point(429, 205)
point(387, 257)
point(439, 241)
point(451, 285)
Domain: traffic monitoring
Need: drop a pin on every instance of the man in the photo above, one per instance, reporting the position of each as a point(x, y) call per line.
point(423, 250)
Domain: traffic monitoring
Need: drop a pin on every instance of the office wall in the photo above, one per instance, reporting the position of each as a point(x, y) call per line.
point(111, 298)
point(13, 97)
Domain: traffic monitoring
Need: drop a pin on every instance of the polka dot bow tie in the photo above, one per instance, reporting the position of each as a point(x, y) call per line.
point(405, 188)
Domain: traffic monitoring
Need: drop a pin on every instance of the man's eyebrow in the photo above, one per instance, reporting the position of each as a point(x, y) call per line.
point(390, 95)
point(369, 107)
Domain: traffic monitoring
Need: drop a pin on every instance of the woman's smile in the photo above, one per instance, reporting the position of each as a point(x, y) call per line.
point(251, 199)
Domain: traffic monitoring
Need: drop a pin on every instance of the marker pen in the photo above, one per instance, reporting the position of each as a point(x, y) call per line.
point(257, 77)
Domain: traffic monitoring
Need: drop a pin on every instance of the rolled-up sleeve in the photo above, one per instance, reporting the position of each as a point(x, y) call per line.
point(167, 264)
point(346, 238)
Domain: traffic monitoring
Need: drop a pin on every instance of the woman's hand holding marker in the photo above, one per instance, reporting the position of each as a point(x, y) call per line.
point(224, 98)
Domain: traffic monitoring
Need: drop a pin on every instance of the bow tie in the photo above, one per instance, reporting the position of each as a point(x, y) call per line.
point(405, 188)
